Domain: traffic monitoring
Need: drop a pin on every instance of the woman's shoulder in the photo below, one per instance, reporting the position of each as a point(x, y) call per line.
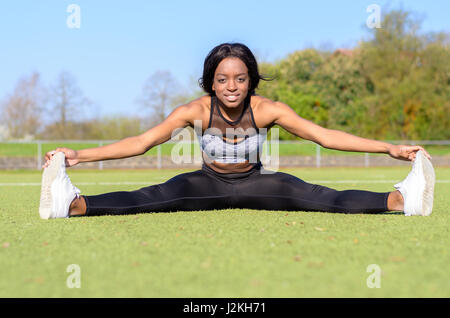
point(265, 110)
point(197, 109)
point(263, 104)
point(198, 105)
point(202, 102)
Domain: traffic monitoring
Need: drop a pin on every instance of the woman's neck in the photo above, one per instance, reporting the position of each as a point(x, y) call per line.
point(231, 113)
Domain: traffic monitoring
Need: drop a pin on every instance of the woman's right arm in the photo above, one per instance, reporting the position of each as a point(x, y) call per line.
point(181, 117)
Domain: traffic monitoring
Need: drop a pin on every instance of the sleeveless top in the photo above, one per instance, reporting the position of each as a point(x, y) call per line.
point(231, 146)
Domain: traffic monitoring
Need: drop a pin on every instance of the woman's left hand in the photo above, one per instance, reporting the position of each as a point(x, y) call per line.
point(404, 152)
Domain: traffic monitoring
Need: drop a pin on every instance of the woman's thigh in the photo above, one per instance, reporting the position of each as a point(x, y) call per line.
point(282, 191)
point(185, 192)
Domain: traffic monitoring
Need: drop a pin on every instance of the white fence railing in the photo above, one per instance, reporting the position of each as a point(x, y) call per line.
point(159, 161)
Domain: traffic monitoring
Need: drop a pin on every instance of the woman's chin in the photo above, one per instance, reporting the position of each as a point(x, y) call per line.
point(231, 103)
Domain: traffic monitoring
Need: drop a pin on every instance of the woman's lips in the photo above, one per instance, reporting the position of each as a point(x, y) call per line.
point(231, 98)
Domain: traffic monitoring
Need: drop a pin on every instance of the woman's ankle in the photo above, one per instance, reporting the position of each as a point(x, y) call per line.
point(77, 207)
point(395, 201)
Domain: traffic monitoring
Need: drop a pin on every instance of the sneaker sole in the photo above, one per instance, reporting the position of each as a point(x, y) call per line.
point(49, 175)
point(428, 193)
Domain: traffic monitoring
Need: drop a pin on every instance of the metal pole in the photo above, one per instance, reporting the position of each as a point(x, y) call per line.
point(317, 156)
point(39, 155)
point(159, 159)
point(100, 163)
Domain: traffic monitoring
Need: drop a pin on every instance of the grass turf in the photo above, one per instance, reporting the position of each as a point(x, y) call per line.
point(223, 253)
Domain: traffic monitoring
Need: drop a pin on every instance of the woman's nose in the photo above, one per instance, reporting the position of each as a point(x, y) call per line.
point(231, 86)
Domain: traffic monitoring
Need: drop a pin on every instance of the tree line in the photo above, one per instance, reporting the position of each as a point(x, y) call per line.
point(57, 111)
point(393, 85)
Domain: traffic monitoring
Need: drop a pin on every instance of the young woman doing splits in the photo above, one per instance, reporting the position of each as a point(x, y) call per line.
point(232, 175)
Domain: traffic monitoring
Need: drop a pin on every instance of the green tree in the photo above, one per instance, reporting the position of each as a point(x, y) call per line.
point(395, 85)
point(410, 75)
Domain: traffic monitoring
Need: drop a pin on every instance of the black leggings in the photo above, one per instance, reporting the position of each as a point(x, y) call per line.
point(207, 190)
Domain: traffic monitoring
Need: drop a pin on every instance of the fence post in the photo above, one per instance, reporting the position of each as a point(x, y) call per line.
point(159, 160)
point(100, 163)
point(39, 155)
point(317, 156)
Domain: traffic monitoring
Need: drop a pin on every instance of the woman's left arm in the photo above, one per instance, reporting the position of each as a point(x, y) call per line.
point(339, 140)
point(335, 139)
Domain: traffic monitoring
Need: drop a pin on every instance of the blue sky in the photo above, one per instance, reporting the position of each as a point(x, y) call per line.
point(121, 43)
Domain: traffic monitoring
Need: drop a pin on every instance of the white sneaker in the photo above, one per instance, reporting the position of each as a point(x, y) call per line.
point(57, 192)
point(418, 187)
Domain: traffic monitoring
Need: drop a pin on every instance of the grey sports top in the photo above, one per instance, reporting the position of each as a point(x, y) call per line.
point(231, 146)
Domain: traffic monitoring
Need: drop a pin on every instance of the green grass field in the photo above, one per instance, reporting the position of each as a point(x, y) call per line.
point(223, 253)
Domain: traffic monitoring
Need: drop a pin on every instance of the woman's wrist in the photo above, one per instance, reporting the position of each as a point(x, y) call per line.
point(389, 148)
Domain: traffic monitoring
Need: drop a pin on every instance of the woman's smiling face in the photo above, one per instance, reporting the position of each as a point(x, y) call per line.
point(231, 82)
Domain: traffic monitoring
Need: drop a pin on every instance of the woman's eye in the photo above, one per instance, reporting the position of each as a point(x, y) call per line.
point(222, 80)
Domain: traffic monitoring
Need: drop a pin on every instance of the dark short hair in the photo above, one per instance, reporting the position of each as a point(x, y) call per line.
point(222, 51)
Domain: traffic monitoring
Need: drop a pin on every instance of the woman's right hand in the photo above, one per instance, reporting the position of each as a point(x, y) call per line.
point(70, 154)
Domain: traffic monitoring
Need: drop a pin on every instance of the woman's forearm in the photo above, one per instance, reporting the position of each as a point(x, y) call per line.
point(339, 140)
point(124, 148)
